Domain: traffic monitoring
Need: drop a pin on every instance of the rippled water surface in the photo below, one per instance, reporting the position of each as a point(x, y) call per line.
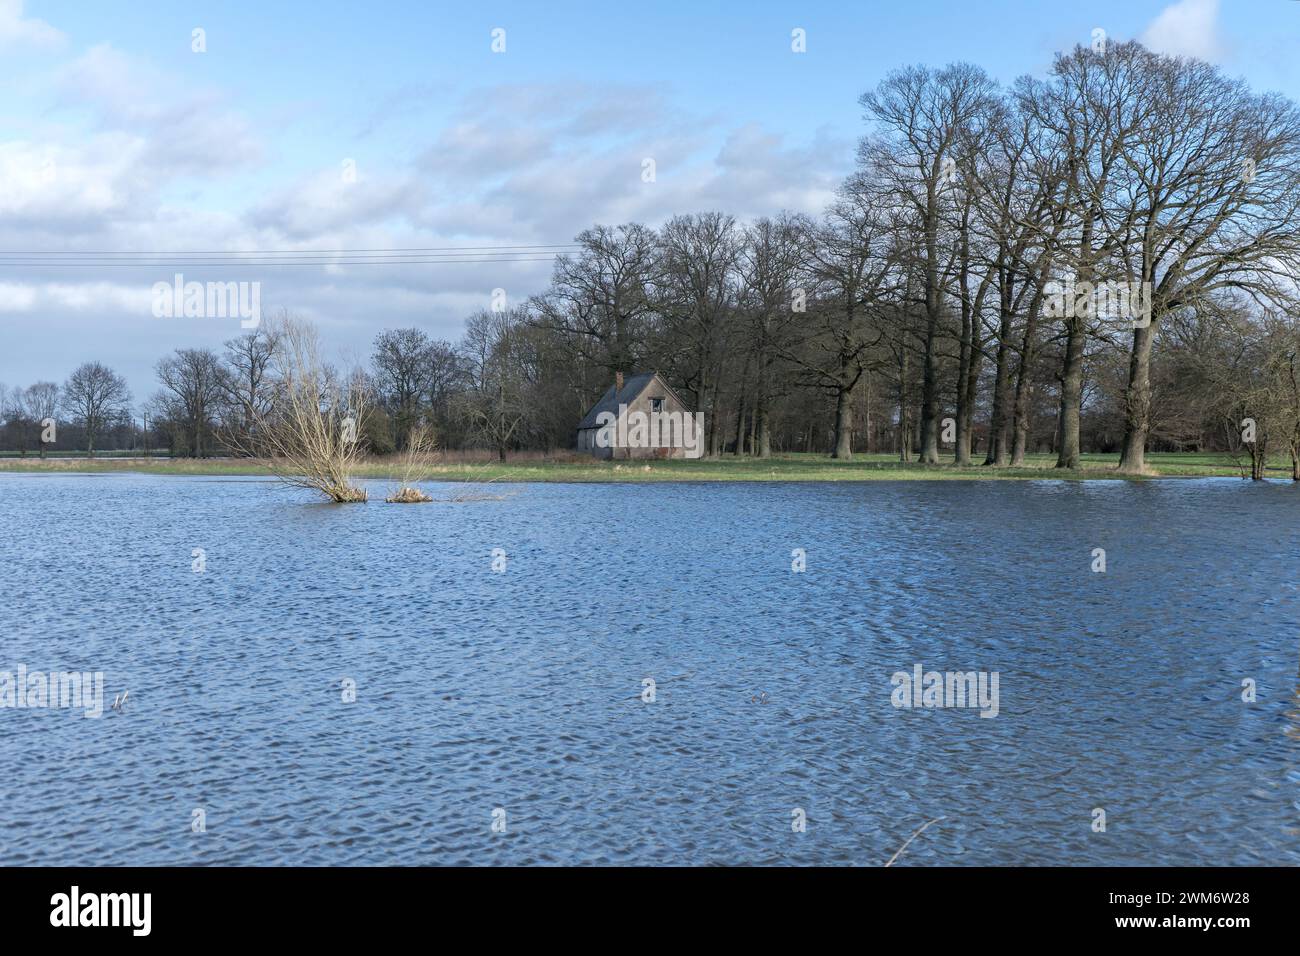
point(522, 690)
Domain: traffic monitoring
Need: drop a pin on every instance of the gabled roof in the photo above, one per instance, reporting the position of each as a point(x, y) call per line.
point(633, 386)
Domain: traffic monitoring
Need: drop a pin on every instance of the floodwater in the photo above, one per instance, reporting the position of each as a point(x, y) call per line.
point(502, 712)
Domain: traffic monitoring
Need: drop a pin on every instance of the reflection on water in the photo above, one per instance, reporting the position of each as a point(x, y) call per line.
point(524, 690)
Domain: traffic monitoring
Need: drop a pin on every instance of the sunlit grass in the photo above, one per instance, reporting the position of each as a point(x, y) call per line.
point(532, 467)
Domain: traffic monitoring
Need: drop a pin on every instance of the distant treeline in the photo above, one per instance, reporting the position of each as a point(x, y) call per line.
point(1103, 260)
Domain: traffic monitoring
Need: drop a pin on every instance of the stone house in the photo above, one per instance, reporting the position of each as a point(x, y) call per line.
point(641, 417)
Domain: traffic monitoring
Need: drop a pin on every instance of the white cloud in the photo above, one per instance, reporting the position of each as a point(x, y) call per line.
point(328, 201)
point(19, 31)
point(101, 160)
point(189, 131)
point(53, 183)
point(1186, 28)
point(95, 298)
point(17, 297)
point(116, 161)
point(541, 163)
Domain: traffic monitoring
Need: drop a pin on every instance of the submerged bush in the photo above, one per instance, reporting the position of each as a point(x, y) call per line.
point(408, 496)
point(311, 435)
point(417, 461)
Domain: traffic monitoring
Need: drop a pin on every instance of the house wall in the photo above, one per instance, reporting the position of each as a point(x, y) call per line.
point(587, 443)
point(587, 436)
point(642, 404)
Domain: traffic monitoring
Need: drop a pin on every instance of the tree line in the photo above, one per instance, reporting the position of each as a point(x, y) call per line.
point(1103, 259)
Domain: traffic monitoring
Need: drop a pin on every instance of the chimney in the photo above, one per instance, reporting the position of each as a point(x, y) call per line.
point(618, 384)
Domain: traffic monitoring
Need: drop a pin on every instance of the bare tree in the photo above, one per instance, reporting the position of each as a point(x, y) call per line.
point(697, 296)
point(18, 422)
point(42, 403)
point(1016, 185)
point(1211, 179)
point(599, 299)
point(852, 262)
point(495, 404)
point(94, 396)
point(773, 261)
point(921, 117)
point(197, 382)
point(976, 267)
point(313, 432)
point(248, 381)
point(404, 371)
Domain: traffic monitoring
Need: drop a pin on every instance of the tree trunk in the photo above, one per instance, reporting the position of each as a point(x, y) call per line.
point(1258, 458)
point(968, 387)
point(1071, 394)
point(763, 401)
point(1137, 401)
point(904, 409)
point(1020, 421)
point(1000, 422)
point(764, 432)
point(972, 386)
point(930, 396)
point(843, 424)
point(933, 305)
point(716, 431)
point(867, 417)
point(740, 426)
point(961, 449)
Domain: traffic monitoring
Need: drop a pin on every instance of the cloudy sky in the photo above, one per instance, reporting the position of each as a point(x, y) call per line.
point(115, 135)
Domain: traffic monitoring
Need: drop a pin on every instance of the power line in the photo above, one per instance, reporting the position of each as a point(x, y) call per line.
point(253, 264)
point(250, 258)
point(419, 250)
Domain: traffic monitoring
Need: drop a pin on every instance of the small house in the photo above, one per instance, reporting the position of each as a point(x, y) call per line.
point(641, 417)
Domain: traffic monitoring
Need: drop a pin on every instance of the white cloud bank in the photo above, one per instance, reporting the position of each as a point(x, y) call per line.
point(1186, 28)
point(18, 31)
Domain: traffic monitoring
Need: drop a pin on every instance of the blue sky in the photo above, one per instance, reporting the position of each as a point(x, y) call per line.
point(115, 135)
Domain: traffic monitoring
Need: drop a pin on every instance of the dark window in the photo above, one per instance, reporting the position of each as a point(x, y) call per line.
point(656, 404)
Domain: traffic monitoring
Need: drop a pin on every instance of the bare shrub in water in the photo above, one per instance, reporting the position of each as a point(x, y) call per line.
point(417, 462)
point(477, 492)
point(311, 436)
